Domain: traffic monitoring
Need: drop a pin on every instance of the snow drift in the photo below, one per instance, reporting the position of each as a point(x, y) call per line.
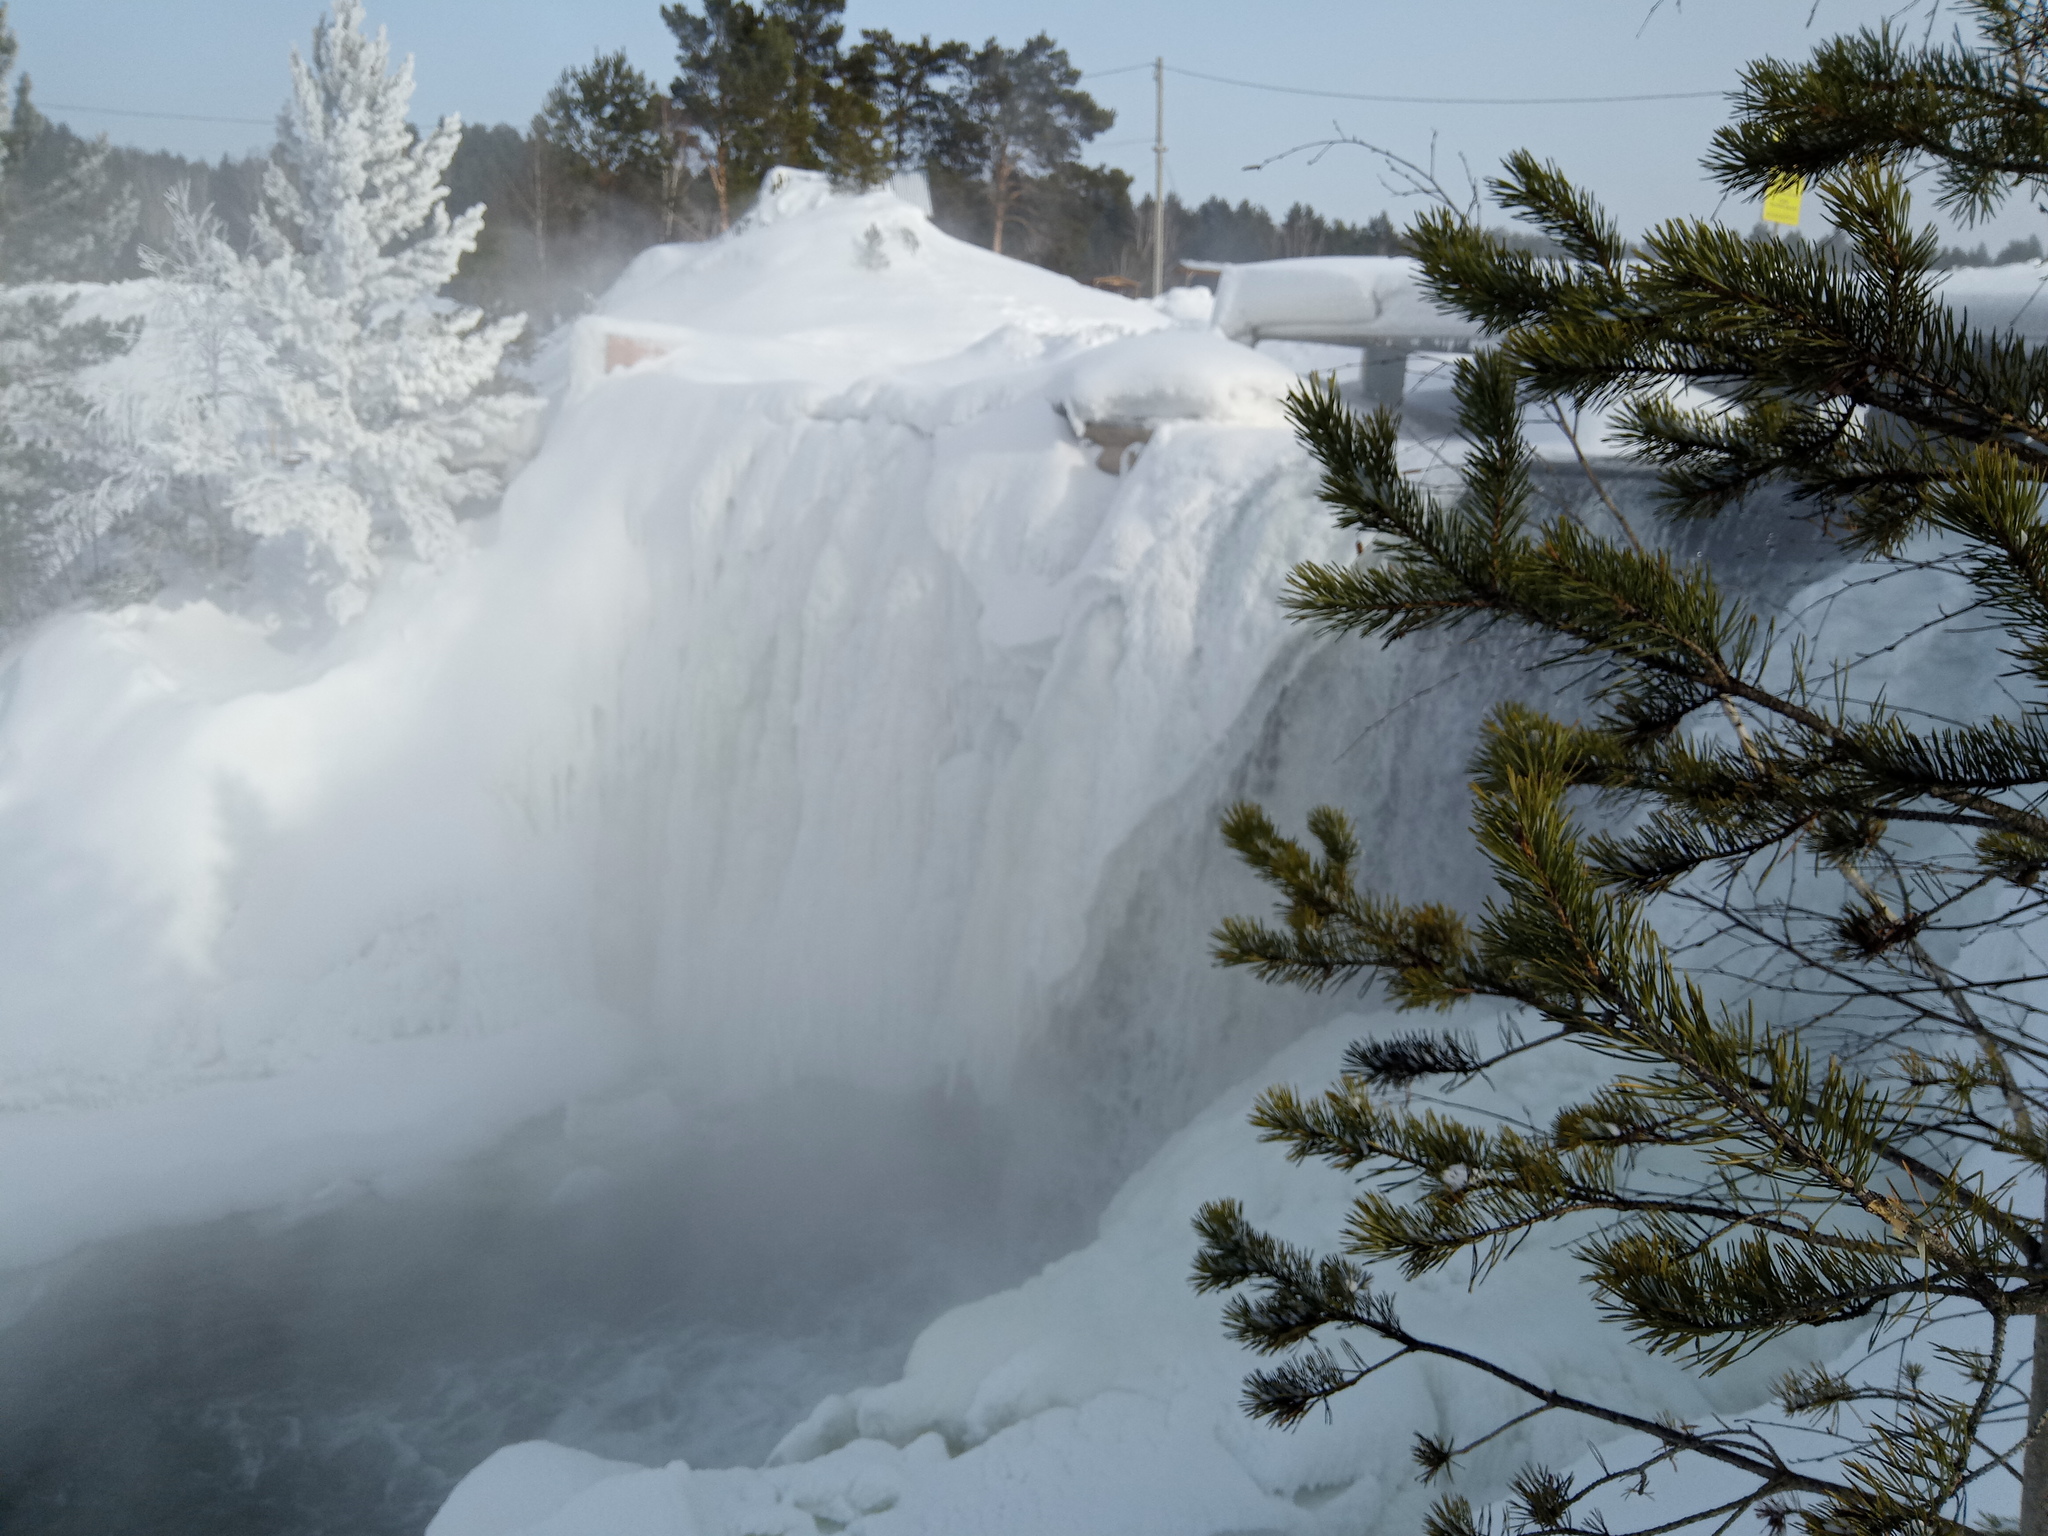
point(1349, 300)
point(1101, 1395)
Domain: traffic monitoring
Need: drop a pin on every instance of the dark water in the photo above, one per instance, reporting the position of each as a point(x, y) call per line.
point(339, 1371)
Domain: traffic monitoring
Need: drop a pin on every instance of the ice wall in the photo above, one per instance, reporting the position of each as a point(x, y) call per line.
point(816, 706)
point(790, 720)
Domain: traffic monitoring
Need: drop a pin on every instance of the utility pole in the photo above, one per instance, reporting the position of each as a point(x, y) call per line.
point(1159, 180)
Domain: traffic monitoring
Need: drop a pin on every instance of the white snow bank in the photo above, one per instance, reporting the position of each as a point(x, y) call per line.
point(831, 288)
point(2008, 298)
point(1188, 306)
point(1174, 376)
point(821, 624)
point(1101, 1395)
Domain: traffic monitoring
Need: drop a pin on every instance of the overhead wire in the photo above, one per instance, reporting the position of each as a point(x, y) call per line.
point(1443, 101)
point(1096, 74)
point(1421, 101)
point(183, 117)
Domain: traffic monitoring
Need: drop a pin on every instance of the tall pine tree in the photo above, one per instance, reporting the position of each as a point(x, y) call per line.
point(334, 398)
point(1851, 1129)
point(1028, 117)
point(762, 86)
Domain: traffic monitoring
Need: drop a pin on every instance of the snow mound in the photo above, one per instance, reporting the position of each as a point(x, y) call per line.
point(788, 194)
point(1101, 1395)
point(2010, 298)
point(833, 287)
point(1178, 375)
point(1188, 306)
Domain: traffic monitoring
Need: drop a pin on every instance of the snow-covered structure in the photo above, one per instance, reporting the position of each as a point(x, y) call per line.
point(1378, 305)
point(1374, 303)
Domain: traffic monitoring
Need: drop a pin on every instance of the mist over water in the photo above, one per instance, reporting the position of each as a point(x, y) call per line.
point(689, 1292)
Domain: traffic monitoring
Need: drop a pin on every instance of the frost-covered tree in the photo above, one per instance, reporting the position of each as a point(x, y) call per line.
point(323, 389)
point(51, 455)
point(1799, 972)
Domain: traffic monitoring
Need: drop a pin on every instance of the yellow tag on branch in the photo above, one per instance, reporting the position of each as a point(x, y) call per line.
point(1781, 199)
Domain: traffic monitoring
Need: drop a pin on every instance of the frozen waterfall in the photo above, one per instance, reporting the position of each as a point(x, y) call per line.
point(827, 718)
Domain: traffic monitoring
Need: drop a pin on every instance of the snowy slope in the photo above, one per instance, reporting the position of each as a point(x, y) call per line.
point(1100, 1396)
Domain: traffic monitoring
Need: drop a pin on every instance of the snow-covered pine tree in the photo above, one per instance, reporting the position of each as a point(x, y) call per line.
point(342, 400)
point(1797, 981)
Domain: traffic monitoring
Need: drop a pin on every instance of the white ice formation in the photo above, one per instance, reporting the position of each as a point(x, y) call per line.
point(815, 706)
point(806, 629)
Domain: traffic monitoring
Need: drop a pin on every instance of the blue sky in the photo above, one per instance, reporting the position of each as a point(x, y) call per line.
point(491, 60)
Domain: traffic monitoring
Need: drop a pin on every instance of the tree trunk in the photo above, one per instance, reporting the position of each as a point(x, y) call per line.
point(999, 194)
point(718, 183)
point(540, 210)
point(2034, 1471)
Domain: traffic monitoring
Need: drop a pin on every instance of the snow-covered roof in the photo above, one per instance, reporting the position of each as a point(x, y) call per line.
point(1368, 300)
point(2011, 298)
point(1342, 300)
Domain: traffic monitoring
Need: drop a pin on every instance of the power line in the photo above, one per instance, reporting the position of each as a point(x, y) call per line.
point(1442, 101)
point(183, 117)
point(1093, 74)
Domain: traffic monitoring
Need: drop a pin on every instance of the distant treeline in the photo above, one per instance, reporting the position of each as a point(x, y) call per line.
point(1949, 258)
point(614, 162)
point(2028, 249)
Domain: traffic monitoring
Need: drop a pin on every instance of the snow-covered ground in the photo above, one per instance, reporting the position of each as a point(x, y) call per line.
point(818, 708)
